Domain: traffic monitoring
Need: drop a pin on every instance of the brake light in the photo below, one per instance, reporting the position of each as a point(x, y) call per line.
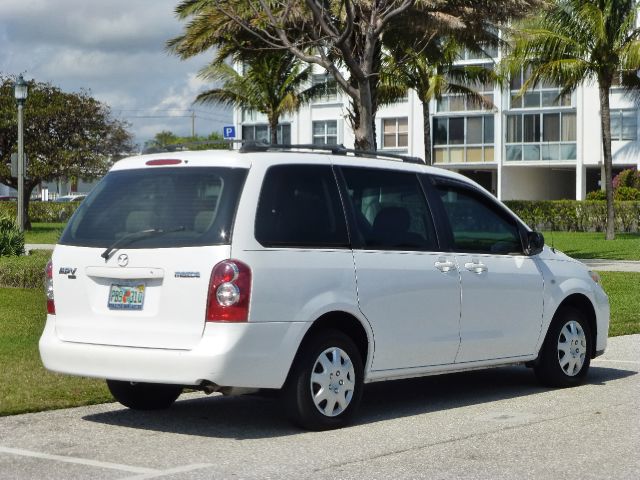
point(51, 305)
point(229, 292)
point(163, 162)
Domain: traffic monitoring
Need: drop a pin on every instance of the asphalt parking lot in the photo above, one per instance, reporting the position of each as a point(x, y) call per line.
point(489, 424)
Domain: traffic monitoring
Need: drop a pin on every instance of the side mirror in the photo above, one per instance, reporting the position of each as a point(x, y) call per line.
point(535, 243)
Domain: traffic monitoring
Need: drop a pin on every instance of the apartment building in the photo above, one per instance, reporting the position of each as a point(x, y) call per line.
point(532, 147)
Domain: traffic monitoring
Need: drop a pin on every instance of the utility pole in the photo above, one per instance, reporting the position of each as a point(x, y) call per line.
point(193, 124)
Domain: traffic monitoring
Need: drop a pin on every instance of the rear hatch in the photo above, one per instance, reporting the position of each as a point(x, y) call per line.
point(133, 265)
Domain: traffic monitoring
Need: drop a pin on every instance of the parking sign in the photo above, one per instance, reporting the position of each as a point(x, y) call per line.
point(229, 132)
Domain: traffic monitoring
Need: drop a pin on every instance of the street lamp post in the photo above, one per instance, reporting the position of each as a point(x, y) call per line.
point(20, 91)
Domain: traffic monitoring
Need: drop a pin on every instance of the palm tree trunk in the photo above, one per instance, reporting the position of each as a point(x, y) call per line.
point(426, 125)
point(273, 129)
point(605, 119)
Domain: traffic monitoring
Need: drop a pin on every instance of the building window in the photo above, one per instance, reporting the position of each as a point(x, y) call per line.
point(541, 136)
point(330, 86)
point(463, 139)
point(485, 52)
point(460, 103)
point(325, 132)
point(261, 133)
point(395, 132)
point(542, 96)
point(249, 115)
point(624, 125)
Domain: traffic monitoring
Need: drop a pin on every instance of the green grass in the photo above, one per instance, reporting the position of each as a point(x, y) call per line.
point(25, 385)
point(44, 233)
point(622, 288)
point(626, 246)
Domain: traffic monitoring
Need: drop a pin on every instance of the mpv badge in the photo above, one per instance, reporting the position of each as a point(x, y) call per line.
point(123, 259)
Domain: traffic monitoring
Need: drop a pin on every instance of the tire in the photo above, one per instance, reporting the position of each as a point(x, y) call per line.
point(566, 352)
point(144, 396)
point(324, 388)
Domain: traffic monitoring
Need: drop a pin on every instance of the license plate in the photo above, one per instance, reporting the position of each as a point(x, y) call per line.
point(126, 296)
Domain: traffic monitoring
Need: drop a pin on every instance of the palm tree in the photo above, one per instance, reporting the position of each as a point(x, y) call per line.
point(576, 41)
point(273, 83)
point(431, 73)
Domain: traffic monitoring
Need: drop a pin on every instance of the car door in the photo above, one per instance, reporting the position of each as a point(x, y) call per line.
point(408, 289)
point(502, 288)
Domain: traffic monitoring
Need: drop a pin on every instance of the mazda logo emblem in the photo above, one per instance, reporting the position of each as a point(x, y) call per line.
point(123, 259)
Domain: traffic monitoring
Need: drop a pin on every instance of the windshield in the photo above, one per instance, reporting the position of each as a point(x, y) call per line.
point(192, 206)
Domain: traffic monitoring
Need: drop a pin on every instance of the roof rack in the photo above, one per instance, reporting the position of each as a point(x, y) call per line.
point(252, 146)
point(178, 147)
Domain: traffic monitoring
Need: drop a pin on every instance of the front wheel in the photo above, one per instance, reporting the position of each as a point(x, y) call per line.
point(324, 388)
point(565, 355)
point(144, 396)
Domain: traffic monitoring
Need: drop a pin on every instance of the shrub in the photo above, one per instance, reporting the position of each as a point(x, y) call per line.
point(624, 193)
point(26, 271)
point(11, 238)
point(597, 195)
point(627, 178)
point(573, 215)
point(45, 212)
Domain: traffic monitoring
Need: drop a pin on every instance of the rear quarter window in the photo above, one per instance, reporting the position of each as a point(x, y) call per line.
point(300, 206)
point(194, 206)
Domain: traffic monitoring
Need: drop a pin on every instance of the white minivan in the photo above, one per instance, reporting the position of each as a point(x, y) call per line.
point(307, 272)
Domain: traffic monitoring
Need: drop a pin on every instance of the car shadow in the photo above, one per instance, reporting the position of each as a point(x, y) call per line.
point(254, 416)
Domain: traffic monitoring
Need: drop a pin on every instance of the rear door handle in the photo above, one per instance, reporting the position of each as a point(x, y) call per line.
point(476, 267)
point(445, 267)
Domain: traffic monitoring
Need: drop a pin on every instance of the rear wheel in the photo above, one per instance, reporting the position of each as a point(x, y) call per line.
point(565, 355)
point(324, 388)
point(144, 396)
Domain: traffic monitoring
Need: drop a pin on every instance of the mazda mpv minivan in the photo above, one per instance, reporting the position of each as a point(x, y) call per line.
point(309, 273)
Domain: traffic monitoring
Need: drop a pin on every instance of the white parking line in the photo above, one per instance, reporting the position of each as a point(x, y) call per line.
point(79, 461)
point(186, 468)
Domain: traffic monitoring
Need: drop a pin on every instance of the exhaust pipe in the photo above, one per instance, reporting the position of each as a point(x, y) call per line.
point(209, 387)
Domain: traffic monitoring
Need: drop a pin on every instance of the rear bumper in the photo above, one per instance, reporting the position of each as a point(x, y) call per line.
point(252, 355)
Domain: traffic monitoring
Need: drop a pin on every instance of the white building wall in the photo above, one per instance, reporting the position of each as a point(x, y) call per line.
point(533, 180)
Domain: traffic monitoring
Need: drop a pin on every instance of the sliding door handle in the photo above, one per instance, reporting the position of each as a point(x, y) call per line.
point(476, 267)
point(445, 267)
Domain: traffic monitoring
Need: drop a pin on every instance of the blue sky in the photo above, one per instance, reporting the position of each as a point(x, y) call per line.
point(115, 49)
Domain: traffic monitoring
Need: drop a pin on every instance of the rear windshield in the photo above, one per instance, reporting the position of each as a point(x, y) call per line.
point(187, 206)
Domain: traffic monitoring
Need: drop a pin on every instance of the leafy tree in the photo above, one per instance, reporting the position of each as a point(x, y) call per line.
point(273, 83)
point(342, 36)
point(65, 135)
point(431, 72)
point(576, 41)
point(166, 140)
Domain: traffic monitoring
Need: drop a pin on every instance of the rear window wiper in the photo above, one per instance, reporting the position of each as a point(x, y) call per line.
point(132, 237)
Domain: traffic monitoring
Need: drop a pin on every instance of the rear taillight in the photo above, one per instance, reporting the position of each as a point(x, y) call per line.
point(51, 305)
point(229, 292)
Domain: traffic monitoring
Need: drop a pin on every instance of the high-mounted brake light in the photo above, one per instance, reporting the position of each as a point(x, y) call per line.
point(163, 162)
point(51, 305)
point(229, 292)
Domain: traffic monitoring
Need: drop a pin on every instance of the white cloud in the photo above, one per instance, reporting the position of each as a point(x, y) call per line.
point(177, 98)
point(115, 49)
